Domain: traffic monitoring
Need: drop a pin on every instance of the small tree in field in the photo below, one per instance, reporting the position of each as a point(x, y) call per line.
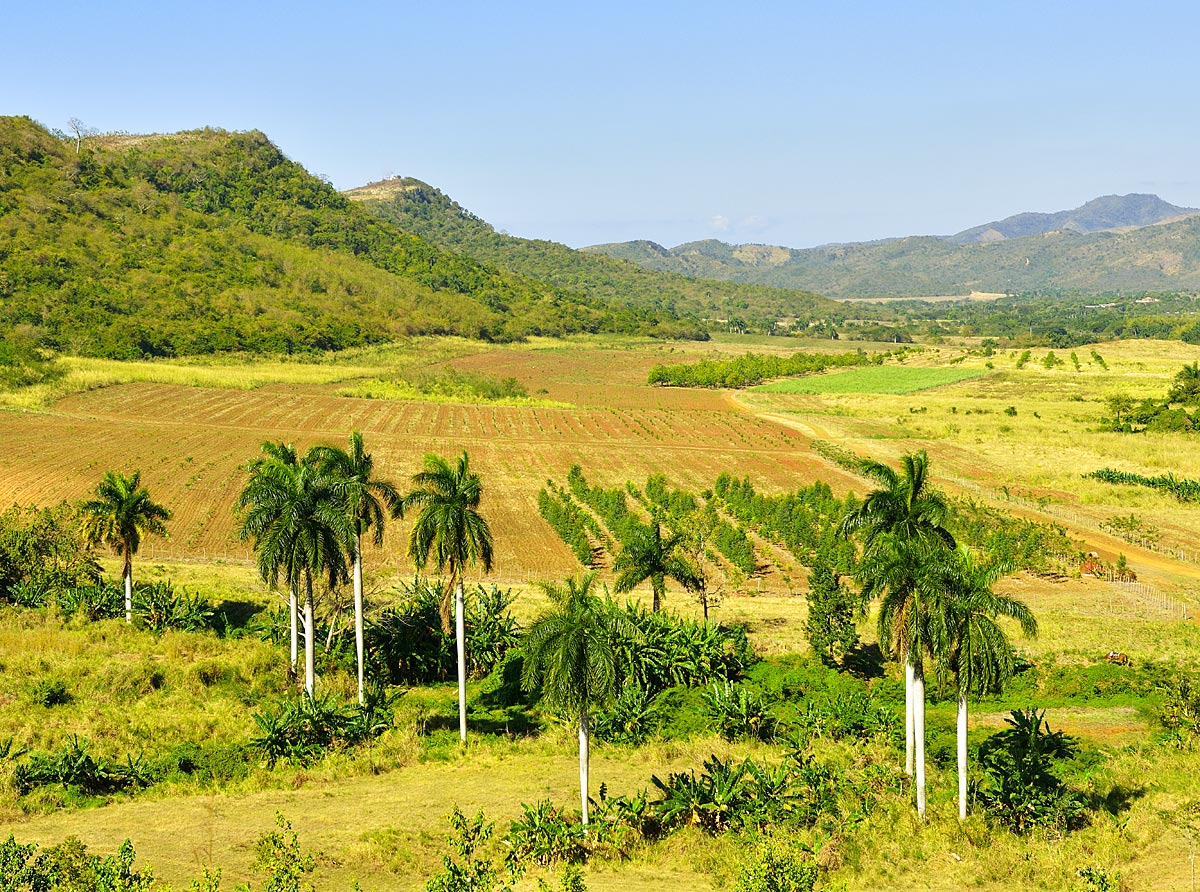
point(832, 609)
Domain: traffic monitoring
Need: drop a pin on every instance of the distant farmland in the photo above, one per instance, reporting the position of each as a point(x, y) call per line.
point(891, 379)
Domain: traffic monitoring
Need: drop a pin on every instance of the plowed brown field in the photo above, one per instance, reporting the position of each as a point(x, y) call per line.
point(192, 445)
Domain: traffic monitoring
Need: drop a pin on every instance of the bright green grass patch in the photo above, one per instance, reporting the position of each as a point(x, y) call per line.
point(893, 379)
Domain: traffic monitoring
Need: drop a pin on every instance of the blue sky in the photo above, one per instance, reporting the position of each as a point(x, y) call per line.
point(788, 123)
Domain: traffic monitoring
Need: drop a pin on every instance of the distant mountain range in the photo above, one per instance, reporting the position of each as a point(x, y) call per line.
point(1105, 214)
point(1110, 243)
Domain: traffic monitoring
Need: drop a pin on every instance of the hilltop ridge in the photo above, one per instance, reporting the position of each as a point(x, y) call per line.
point(214, 241)
point(417, 207)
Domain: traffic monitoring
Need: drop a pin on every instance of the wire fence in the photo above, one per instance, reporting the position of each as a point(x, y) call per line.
point(1179, 553)
point(1141, 598)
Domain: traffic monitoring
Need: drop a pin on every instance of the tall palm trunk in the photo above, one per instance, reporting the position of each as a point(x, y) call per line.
point(127, 574)
point(584, 752)
point(294, 616)
point(962, 756)
point(310, 636)
point(919, 735)
point(460, 636)
point(908, 716)
point(657, 587)
point(358, 615)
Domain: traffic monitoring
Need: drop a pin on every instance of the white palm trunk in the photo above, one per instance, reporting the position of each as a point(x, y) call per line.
point(293, 615)
point(584, 740)
point(908, 717)
point(358, 617)
point(128, 594)
point(919, 737)
point(310, 635)
point(962, 756)
point(460, 642)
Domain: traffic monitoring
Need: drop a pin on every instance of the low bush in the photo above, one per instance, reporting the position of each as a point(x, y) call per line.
point(159, 607)
point(543, 835)
point(739, 713)
point(1019, 787)
point(777, 865)
point(93, 602)
point(407, 645)
point(304, 729)
point(75, 768)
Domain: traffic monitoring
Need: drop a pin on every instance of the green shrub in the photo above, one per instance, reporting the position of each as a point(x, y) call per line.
point(304, 729)
point(101, 600)
point(1099, 879)
point(73, 767)
point(467, 869)
point(1019, 787)
point(832, 609)
point(777, 865)
point(739, 713)
point(160, 607)
point(630, 718)
point(51, 692)
point(1180, 710)
point(407, 646)
point(41, 551)
point(543, 835)
point(68, 867)
point(729, 795)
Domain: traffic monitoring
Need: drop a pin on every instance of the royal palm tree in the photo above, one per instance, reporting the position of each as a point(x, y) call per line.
point(569, 655)
point(297, 519)
point(351, 471)
point(283, 454)
point(450, 528)
point(647, 555)
point(912, 624)
point(979, 653)
point(119, 516)
point(903, 508)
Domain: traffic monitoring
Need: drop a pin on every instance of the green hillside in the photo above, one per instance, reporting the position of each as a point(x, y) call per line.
point(422, 209)
point(210, 241)
point(1152, 258)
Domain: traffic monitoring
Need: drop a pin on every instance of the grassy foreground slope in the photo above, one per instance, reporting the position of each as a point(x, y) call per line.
point(422, 209)
point(209, 241)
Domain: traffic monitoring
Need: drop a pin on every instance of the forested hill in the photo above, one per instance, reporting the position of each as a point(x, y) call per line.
point(1160, 257)
point(209, 241)
point(422, 209)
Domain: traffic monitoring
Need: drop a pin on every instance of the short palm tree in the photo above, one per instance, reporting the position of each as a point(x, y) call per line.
point(365, 496)
point(647, 555)
point(297, 519)
point(569, 656)
point(450, 529)
point(119, 516)
point(903, 508)
point(979, 653)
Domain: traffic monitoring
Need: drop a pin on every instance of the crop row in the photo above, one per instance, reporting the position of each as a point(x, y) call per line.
point(566, 519)
point(1184, 489)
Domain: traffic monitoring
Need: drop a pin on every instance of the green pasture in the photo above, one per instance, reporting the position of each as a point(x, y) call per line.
point(890, 379)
